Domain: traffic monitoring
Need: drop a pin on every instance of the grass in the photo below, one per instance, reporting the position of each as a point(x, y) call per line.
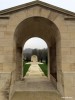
point(25, 68)
point(44, 68)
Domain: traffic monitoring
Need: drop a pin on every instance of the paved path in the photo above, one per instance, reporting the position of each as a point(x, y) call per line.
point(34, 70)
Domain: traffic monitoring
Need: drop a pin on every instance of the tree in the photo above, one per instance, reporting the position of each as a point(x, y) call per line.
point(34, 52)
point(42, 54)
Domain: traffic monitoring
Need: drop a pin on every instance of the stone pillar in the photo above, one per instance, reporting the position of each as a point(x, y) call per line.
point(53, 65)
point(60, 80)
point(49, 63)
point(19, 63)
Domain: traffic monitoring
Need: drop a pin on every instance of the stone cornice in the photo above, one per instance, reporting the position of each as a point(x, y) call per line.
point(4, 16)
point(69, 18)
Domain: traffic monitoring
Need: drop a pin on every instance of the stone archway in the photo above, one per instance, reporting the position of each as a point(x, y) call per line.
point(45, 29)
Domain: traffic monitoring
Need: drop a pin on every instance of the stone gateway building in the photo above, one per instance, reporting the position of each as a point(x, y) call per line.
point(56, 27)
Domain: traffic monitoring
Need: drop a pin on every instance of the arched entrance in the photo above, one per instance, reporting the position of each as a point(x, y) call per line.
point(48, 31)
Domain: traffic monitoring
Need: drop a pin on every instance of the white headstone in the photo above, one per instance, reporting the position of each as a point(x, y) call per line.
point(34, 58)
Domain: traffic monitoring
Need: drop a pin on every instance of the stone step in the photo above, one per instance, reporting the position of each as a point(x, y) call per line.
point(35, 74)
point(36, 95)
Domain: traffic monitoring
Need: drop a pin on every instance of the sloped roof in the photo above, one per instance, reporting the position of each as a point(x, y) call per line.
point(34, 3)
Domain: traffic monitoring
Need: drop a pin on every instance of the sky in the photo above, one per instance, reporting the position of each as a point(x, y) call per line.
point(36, 42)
point(66, 4)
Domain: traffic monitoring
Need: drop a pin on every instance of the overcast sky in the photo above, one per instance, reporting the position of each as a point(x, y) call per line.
point(35, 42)
point(66, 4)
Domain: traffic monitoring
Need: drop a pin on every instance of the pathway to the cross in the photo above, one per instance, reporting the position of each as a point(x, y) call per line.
point(34, 70)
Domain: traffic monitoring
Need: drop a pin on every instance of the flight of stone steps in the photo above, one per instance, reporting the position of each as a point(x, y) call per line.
point(36, 95)
point(35, 86)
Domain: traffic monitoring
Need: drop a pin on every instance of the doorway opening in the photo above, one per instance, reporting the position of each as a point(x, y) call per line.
point(35, 52)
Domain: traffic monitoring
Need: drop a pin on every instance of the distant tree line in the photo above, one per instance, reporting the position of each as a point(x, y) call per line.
point(42, 54)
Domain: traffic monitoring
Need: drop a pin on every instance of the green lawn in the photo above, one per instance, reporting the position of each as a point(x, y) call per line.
point(44, 68)
point(25, 68)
